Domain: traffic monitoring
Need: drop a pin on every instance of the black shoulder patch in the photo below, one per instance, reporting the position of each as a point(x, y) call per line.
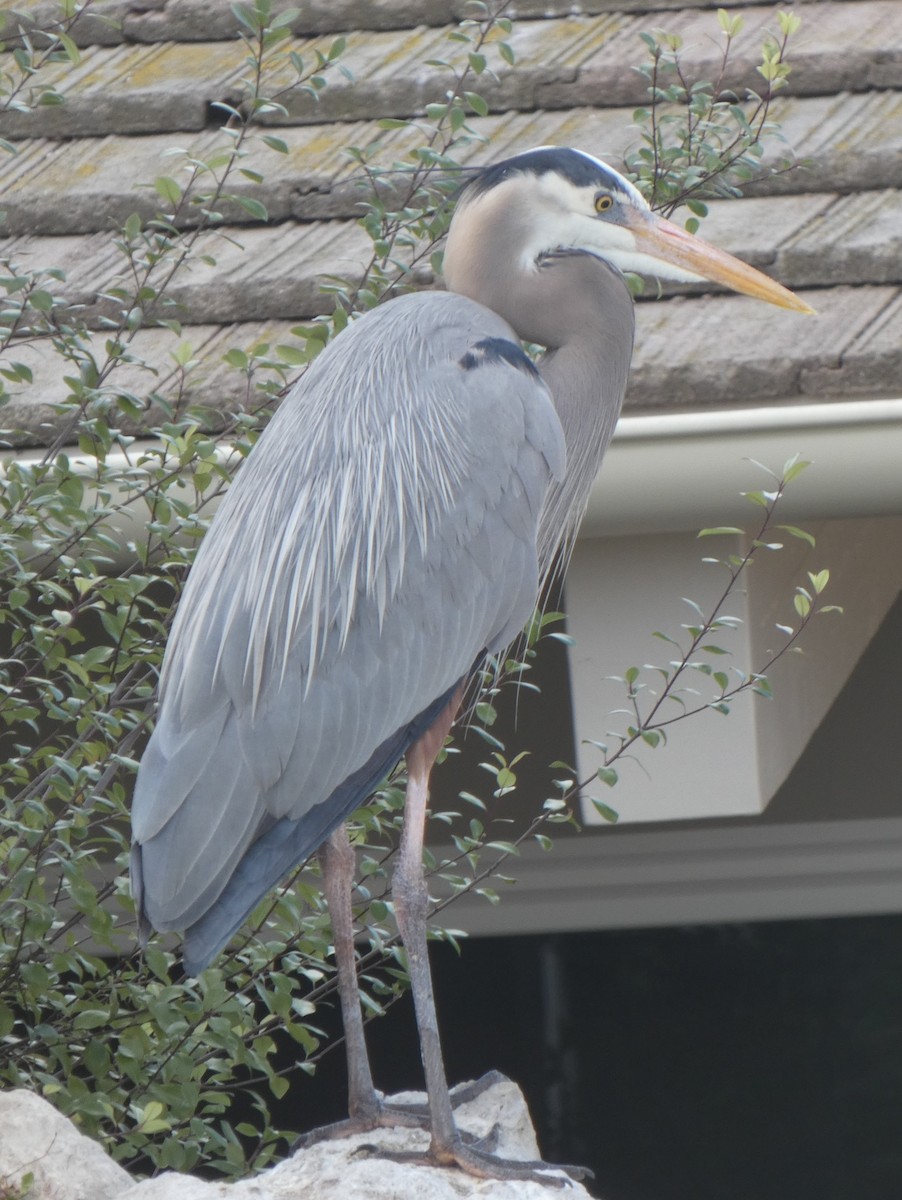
point(498, 350)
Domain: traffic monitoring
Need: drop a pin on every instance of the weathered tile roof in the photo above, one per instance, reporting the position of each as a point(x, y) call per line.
point(831, 229)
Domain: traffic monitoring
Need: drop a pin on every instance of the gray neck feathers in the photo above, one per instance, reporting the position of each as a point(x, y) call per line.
point(586, 373)
point(576, 305)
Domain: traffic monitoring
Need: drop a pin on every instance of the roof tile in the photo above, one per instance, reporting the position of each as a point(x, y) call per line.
point(834, 225)
point(561, 63)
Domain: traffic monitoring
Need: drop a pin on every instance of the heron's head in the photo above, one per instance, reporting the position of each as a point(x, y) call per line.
point(552, 202)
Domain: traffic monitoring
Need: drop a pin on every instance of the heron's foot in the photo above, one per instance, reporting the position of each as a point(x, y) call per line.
point(399, 1116)
point(463, 1093)
point(378, 1114)
point(477, 1161)
point(375, 1116)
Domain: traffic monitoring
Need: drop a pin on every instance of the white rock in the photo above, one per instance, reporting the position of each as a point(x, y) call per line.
point(37, 1140)
point(67, 1166)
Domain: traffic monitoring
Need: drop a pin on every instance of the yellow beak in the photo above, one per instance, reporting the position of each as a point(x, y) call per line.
point(663, 240)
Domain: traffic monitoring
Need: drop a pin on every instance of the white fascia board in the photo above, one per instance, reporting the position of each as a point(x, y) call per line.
point(620, 589)
point(686, 875)
point(665, 477)
point(683, 471)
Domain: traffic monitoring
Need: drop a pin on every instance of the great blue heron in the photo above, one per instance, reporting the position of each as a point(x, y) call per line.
point(390, 530)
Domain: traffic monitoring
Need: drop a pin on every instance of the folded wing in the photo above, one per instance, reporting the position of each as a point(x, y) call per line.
point(380, 539)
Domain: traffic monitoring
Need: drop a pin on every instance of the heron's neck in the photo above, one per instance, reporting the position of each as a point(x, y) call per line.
point(586, 373)
point(580, 308)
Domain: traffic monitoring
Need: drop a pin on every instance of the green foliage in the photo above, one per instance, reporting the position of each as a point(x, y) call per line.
point(698, 139)
point(695, 678)
point(407, 204)
point(21, 88)
point(21, 1189)
point(97, 533)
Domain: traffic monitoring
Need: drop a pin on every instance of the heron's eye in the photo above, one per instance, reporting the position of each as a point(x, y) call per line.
point(603, 202)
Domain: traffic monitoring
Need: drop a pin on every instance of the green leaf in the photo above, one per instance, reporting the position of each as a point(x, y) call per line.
point(789, 22)
point(254, 208)
point(793, 467)
point(7, 1019)
point(802, 602)
point(730, 24)
point(286, 17)
point(69, 46)
point(92, 1018)
point(41, 300)
point(476, 102)
point(167, 188)
point(802, 534)
point(605, 811)
point(293, 355)
point(607, 775)
point(819, 580)
point(761, 498)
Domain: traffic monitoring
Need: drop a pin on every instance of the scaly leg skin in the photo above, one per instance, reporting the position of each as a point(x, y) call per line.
point(447, 1147)
point(366, 1109)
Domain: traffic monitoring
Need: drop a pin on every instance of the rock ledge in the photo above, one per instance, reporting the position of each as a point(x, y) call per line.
point(36, 1140)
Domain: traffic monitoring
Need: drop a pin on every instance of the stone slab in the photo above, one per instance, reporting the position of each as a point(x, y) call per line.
point(272, 273)
point(855, 239)
point(840, 47)
point(35, 1138)
point(33, 417)
point(869, 365)
point(257, 272)
point(562, 62)
point(48, 188)
point(279, 271)
point(729, 350)
point(690, 353)
point(844, 143)
point(131, 89)
point(199, 20)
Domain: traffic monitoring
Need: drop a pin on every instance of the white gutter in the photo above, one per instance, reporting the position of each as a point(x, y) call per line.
point(683, 471)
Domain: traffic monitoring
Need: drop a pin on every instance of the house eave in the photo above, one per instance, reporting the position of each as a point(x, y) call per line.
point(680, 471)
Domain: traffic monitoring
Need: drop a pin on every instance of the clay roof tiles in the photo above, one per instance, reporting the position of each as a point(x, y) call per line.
point(150, 80)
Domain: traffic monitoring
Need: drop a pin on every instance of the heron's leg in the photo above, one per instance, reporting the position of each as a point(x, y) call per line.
point(366, 1109)
point(411, 901)
point(338, 862)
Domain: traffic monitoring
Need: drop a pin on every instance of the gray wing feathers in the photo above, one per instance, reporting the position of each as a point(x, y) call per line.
point(379, 539)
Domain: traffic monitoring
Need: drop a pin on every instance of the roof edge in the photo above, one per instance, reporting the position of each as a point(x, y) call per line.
point(676, 471)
